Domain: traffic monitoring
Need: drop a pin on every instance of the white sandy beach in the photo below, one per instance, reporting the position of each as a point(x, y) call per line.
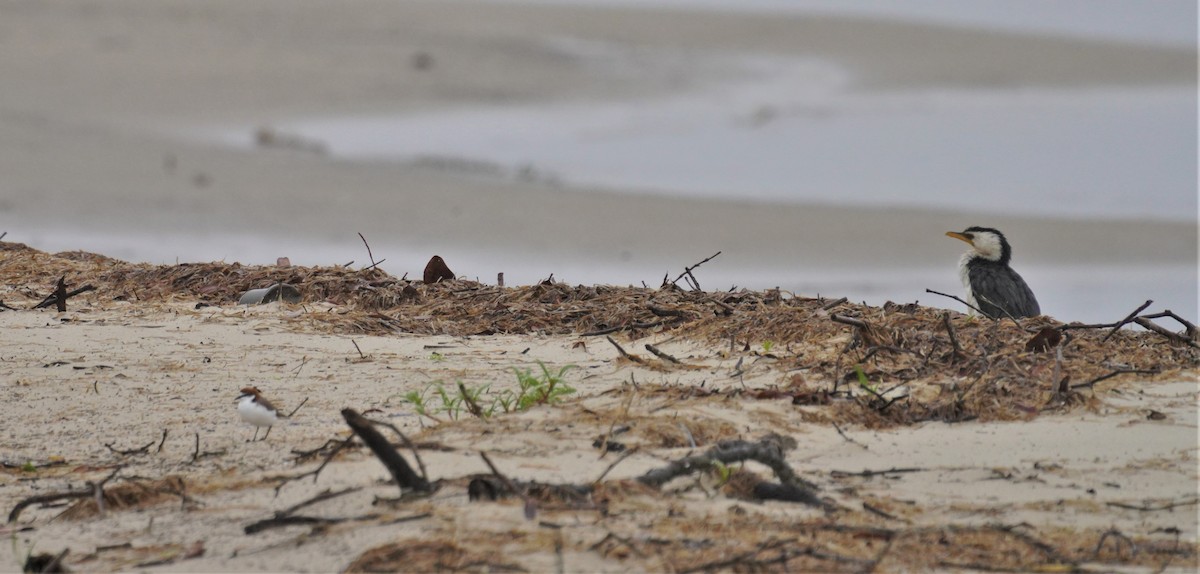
point(97, 101)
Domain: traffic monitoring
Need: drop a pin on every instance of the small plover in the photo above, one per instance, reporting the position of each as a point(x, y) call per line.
point(257, 410)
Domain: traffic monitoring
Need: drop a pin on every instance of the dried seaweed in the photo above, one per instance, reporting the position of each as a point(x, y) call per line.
point(917, 363)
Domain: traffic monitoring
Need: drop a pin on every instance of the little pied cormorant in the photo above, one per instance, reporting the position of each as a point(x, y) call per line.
point(991, 284)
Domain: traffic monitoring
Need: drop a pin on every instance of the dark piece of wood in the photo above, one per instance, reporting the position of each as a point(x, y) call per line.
point(831, 305)
point(1191, 328)
point(1170, 335)
point(1128, 319)
point(687, 271)
point(60, 295)
point(769, 451)
point(661, 354)
point(405, 477)
point(958, 351)
point(621, 350)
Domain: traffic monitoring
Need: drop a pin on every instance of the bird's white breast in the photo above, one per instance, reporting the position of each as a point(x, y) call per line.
point(964, 274)
point(255, 413)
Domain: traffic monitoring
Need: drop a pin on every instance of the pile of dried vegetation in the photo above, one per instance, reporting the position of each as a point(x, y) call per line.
point(879, 366)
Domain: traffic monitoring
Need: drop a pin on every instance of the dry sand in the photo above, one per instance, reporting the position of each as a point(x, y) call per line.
point(79, 382)
point(92, 95)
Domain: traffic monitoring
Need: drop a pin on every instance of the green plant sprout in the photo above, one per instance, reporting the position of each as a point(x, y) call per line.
point(439, 399)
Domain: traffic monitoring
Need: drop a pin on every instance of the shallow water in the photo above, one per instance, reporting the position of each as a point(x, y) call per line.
point(1169, 22)
point(797, 131)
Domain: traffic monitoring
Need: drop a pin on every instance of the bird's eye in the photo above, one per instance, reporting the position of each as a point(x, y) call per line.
point(969, 235)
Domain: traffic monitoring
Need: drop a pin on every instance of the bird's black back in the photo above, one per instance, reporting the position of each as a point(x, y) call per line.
point(999, 291)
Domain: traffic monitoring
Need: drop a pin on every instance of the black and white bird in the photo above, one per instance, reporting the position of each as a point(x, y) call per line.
point(991, 284)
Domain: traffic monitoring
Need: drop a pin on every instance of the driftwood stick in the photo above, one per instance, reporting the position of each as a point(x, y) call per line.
point(408, 443)
point(60, 295)
point(958, 351)
point(1114, 373)
point(623, 353)
point(977, 309)
point(48, 497)
point(369, 255)
point(1128, 319)
point(323, 496)
point(688, 270)
point(289, 415)
point(316, 473)
point(768, 451)
point(848, 321)
point(829, 306)
point(530, 505)
point(661, 354)
point(1191, 328)
point(145, 449)
point(865, 473)
point(609, 330)
point(1170, 335)
point(396, 465)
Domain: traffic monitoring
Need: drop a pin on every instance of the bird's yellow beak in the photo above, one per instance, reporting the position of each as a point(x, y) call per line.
point(960, 237)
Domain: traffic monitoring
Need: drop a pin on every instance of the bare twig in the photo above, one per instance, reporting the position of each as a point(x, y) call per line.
point(1128, 319)
point(161, 442)
point(687, 271)
point(661, 354)
point(1191, 328)
point(977, 309)
point(958, 351)
point(289, 415)
point(145, 449)
point(1170, 335)
point(530, 506)
point(848, 439)
point(323, 496)
point(316, 473)
point(623, 353)
point(369, 255)
point(1116, 534)
point(614, 464)
point(1114, 373)
point(1148, 508)
point(768, 451)
point(842, 473)
point(472, 406)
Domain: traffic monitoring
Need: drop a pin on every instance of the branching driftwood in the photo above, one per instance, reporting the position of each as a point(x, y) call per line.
point(94, 489)
point(405, 477)
point(769, 451)
point(60, 295)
